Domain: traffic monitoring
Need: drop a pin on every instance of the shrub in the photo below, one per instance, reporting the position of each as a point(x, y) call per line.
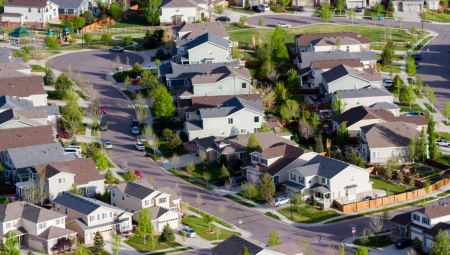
point(137, 69)
point(160, 54)
point(167, 235)
point(128, 40)
point(314, 202)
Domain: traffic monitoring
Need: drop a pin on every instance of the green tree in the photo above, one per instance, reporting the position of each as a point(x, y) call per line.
point(412, 182)
point(224, 174)
point(293, 82)
point(297, 201)
point(106, 38)
point(441, 243)
point(284, 3)
point(266, 188)
point(149, 40)
point(432, 139)
point(137, 69)
point(51, 42)
point(208, 219)
point(115, 10)
point(352, 15)
point(250, 190)
point(341, 249)
point(409, 95)
point(282, 93)
point(247, 4)
point(99, 243)
point(388, 173)
point(413, 30)
point(252, 145)
point(88, 37)
point(361, 251)
point(261, 22)
point(79, 22)
point(49, 77)
point(116, 245)
point(174, 142)
point(282, 53)
point(89, 18)
point(152, 13)
point(62, 86)
point(379, 7)
point(219, 9)
point(274, 238)
point(410, 67)
point(167, 133)
point(11, 244)
point(263, 127)
point(400, 178)
point(340, 6)
point(326, 13)
point(414, 147)
point(245, 251)
point(242, 20)
point(163, 103)
point(386, 55)
point(144, 219)
point(342, 136)
point(417, 246)
point(338, 154)
point(131, 176)
point(338, 105)
point(419, 83)
point(167, 235)
point(446, 111)
point(319, 145)
point(390, 7)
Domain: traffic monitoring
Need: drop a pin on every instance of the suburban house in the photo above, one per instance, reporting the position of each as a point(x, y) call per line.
point(383, 140)
point(207, 48)
point(424, 223)
point(194, 30)
point(414, 5)
point(16, 119)
point(312, 75)
point(234, 147)
point(343, 77)
point(235, 245)
point(13, 69)
point(30, 12)
point(369, 59)
point(367, 96)
point(6, 57)
point(177, 12)
point(326, 179)
point(27, 87)
point(23, 137)
point(306, 42)
point(35, 226)
point(232, 117)
point(72, 7)
point(21, 105)
point(361, 116)
point(19, 160)
point(86, 216)
point(304, 3)
point(163, 202)
point(59, 177)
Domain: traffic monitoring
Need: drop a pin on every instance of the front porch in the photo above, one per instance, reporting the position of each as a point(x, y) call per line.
point(322, 194)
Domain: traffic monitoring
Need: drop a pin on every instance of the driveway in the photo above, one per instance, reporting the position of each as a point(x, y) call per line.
point(408, 16)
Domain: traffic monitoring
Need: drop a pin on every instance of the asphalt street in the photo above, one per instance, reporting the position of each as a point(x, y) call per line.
point(96, 64)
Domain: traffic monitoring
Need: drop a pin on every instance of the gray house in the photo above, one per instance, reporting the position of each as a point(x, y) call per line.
point(344, 77)
point(233, 117)
point(12, 118)
point(7, 102)
point(19, 160)
point(207, 48)
point(367, 96)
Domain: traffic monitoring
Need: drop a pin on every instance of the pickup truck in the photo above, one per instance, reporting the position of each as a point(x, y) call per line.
point(134, 81)
point(443, 142)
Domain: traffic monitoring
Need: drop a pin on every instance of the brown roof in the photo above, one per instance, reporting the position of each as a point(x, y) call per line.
point(402, 219)
point(139, 189)
point(303, 40)
point(183, 103)
point(435, 229)
point(53, 232)
point(436, 211)
point(286, 248)
point(209, 101)
point(157, 211)
point(325, 41)
point(10, 14)
point(184, 92)
point(235, 244)
point(389, 134)
point(8, 70)
point(288, 154)
point(85, 170)
point(359, 113)
point(22, 86)
point(198, 29)
point(28, 3)
point(332, 63)
point(24, 210)
point(343, 70)
point(24, 137)
point(25, 116)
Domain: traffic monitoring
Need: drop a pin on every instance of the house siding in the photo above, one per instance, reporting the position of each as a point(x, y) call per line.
point(347, 83)
point(385, 153)
point(230, 86)
point(357, 126)
point(15, 124)
point(167, 14)
point(201, 52)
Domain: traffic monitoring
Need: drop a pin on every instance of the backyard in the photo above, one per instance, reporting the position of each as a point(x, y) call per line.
point(131, 21)
point(391, 68)
point(200, 227)
point(385, 185)
point(308, 214)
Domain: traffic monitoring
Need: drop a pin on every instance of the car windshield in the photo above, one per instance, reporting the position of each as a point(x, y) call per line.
point(108, 143)
point(191, 231)
point(136, 172)
point(140, 144)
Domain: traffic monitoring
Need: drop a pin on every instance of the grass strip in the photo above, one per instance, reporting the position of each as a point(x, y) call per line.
point(173, 251)
point(374, 242)
point(129, 94)
point(223, 223)
point(237, 200)
point(379, 211)
point(443, 194)
point(186, 178)
point(272, 215)
point(446, 123)
point(431, 109)
point(424, 41)
point(216, 243)
point(149, 149)
point(37, 68)
point(81, 94)
point(240, 10)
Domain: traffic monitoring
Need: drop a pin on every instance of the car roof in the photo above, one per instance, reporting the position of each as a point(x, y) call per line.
point(104, 121)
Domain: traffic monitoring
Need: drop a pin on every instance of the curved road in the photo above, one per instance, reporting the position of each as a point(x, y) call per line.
point(96, 64)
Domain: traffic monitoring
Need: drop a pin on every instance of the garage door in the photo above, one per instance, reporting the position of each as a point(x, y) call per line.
point(399, 8)
point(36, 245)
point(413, 8)
point(415, 233)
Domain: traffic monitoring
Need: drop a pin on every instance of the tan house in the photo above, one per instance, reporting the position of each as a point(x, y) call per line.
point(36, 227)
point(86, 216)
point(303, 41)
point(376, 98)
point(163, 202)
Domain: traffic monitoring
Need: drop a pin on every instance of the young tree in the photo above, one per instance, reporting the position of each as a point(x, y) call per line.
point(88, 37)
point(319, 145)
point(297, 201)
point(261, 22)
point(252, 145)
point(387, 54)
point(229, 184)
point(98, 242)
point(222, 210)
point(89, 18)
point(163, 103)
point(417, 245)
point(42, 183)
point(264, 128)
point(376, 224)
point(152, 13)
point(409, 95)
point(305, 247)
point(266, 188)
point(167, 235)
point(115, 10)
point(432, 139)
point(106, 38)
point(400, 178)
point(340, 4)
point(207, 176)
point(250, 189)
point(175, 160)
point(174, 142)
point(342, 136)
point(274, 238)
point(52, 43)
point(247, 4)
point(49, 77)
point(208, 219)
point(440, 243)
point(413, 148)
point(326, 13)
point(199, 200)
point(219, 9)
point(132, 176)
point(379, 7)
point(242, 20)
point(184, 237)
point(11, 244)
point(190, 167)
point(284, 3)
point(224, 174)
point(446, 111)
point(351, 15)
point(79, 22)
point(410, 67)
point(116, 245)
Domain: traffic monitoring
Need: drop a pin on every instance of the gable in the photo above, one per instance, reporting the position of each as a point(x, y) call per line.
point(207, 43)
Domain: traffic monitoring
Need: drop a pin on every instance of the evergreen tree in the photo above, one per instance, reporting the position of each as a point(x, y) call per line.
point(282, 53)
point(252, 145)
point(417, 245)
point(266, 188)
point(149, 40)
point(247, 4)
point(49, 78)
point(167, 235)
point(223, 160)
point(310, 148)
point(293, 80)
point(109, 176)
point(163, 103)
point(263, 128)
point(63, 84)
point(98, 242)
point(224, 174)
point(386, 55)
point(89, 18)
point(319, 145)
point(174, 142)
point(274, 238)
point(390, 7)
point(441, 243)
point(338, 154)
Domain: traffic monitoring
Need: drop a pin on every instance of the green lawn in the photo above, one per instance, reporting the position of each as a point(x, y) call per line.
point(395, 57)
point(138, 244)
point(375, 34)
point(240, 201)
point(150, 150)
point(37, 68)
point(439, 17)
point(249, 56)
point(94, 250)
point(129, 73)
point(216, 243)
point(172, 251)
point(254, 199)
point(134, 21)
point(444, 135)
point(200, 227)
point(443, 194)
point(382, 13)
point(430, 108)
point(394, 92)
point(391, 68)
point(136, 38)
point(280, 9)
point(414, 107)
point(234, 26)
point(272, 215)
point(308, 214)
point(169, 153)
point(396, 48)
point(375, 243)
point(185, 177)
point(95, 44)
point(299, 99)
point(81, 95)
point(422, 43)
point(255, 71)
point(242, 11)
point(210, 168)
point(203, 214)
point(444, 159)
point(386, 185)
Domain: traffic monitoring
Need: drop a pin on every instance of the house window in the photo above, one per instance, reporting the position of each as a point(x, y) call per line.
point(8, 225)
point(393, 153)
point(147, 202)
point(89, 237)
point(92, 218)
point(323, 180)
point(126, 208)
point(244, 85)
point(375, 154)
point(114, 204)
point(42, 225)
point(425, 220)
point(61, 180)
point(256, 130)
point(352, 178)
point(65, 211)
point(256, 119)
point(29, 9)
point(219, 86)
point(113, 193)
point(182, 50)
point(58, 208)
point(133, 211)
point(264, 161)
point(210, 52)
point(301, 179)
point(416, 217)
point(345, 102)
point(126, 224)
point(348, 48)
point(358, 101)
point(293, 177)
point(355, 85)
point(328, 182)
point(162, 200)
point(39, 10)
point(254, 158)
point(222, 132)
point(177, 10)
point(58, 221)
point(191, 19)
point(358, 132)
point(123, 197)
point(105, 215)
point(243, 131)
point(230, 121)
point(188, 116)
point(26, 17)
point(110, 214)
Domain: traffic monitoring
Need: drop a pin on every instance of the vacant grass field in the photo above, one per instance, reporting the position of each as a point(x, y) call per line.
point(134, 21)
point(375, 34)
point(386, 185)
point(439, 17)
point(200, 227)
point(308, 214)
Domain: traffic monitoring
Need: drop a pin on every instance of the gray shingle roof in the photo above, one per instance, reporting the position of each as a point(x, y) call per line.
point(139, 189)
point(207, 37)
point(364, 92)
point(343, 70)
point(235, 244)
point(306, 57)
point(177, 4)
point(85, 227)
point(53, 232)
point(5, 53)
point(231, 106)
point(384, 105)
point(178, 71)
point(7, 102)
point(389, 134)
point(221, 73)
point(28, 116)
point(13, 69)
point(24, 210)
point(194, 125)
point(326, 41)
point(321, 188)
point(83, 205)
point(68, 4)
point(323, 166)
point(294, 185)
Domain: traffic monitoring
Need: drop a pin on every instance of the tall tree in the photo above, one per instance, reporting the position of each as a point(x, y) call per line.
point(326, 13)
point(115, 10)
point(432, 139)
point(116, 245)
point(152, 13)
point(319, 145)
point(446, 111)
point(163, 103)
point(11, 244)
point(252, 145)
point(340, 5)
point(342, 136)
point(409, 95)
point(224, 174)
point(417, 246)
point(208, 219)
point(99, 243)
point(250, 189)
point(387, 54)
point(274, 238)
point(414, 147)
point(145, 217)
point(49, 77)
point(352, 15)
point(266, 187)
point(167, 235)
point(410, 67)
point(441, 243)
point(284, 3)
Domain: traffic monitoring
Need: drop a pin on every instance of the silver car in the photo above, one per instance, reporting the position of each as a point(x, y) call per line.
point(108, 145)
point(189, 232)
point(282, 24)
point(281, 201)
point(387, 82)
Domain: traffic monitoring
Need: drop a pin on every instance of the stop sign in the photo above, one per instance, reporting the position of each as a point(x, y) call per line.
point(353, 231)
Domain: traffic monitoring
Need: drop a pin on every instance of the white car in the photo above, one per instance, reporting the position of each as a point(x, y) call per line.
point(265, 7)
point(281, 201)
point(108, 145)
point(387, 82)
point(73, 148)
point(282, 24)
point(139, 146)
point(135, 130)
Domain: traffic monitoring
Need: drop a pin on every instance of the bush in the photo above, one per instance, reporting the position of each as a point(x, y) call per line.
point(128, 40)
point(183, 136)
point(199, 21)
point(136, 70)
point(314, 202)
point(160, 54)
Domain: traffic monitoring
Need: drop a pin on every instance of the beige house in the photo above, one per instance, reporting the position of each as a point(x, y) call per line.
point(36, 227)
point(303, 41)
point(86, 216)
point(163, 202)
point(370, 96)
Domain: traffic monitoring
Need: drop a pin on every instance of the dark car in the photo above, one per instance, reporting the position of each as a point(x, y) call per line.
point(258, 9)
point(300, 8)
point(238, 181)
point(116, 49)
point(380, 61)
point(417, 57)
point(223, 18)
point(368, 198)
point(104, 125)
point(402, 243)
point(135, 123)
point(158, 133)
point(359, 9)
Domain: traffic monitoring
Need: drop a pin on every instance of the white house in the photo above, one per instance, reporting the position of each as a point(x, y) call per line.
point(176, 12)
point(370, 96)
point(331, 44)
point(32, 13)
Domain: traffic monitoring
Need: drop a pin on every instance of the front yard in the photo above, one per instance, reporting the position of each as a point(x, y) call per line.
point(308, 214)
point(200, 227)
point(201, 168)
point(406, 108)
point(372, 12)
point(168, 153)
point(385, 185)
point(439, 17)
point(138, 244)
point(134, 21)
point(391, 68)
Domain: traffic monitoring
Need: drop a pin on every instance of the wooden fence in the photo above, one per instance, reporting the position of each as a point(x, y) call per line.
point(384, 43)
point(229, 3)
point(7, 191)
point(127, 29)
point(69, 17)
point(436, 164)
point(308, 107)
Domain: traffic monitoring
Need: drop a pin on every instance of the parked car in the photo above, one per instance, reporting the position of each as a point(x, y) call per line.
point(189, 232)
point(116, 49)
point(238, 181)
point(413, 113)
point(265, 7)
point(282, 24)
point(443, 142)
point(108, 144)
point(281, 201)
point(378, 17)
point(402, 243)
point(74, 145)
point(358, 9)
point(158, 133)
point(223, 18)
point(134, 81)
point(135, 123)
point(64, 134)
point(135, 130)
point(104, 125)
point(380, 60)
point(102, 109)
point(368, 198)
point(138, 175)
point(417, 57)
point(258, 9)
point(73, 148)
point(301, 9)
point(417, 64)
point(387, 82)
point(139, 146)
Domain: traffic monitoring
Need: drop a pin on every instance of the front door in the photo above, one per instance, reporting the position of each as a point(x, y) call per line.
point(351, 194)
point(203, 16)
